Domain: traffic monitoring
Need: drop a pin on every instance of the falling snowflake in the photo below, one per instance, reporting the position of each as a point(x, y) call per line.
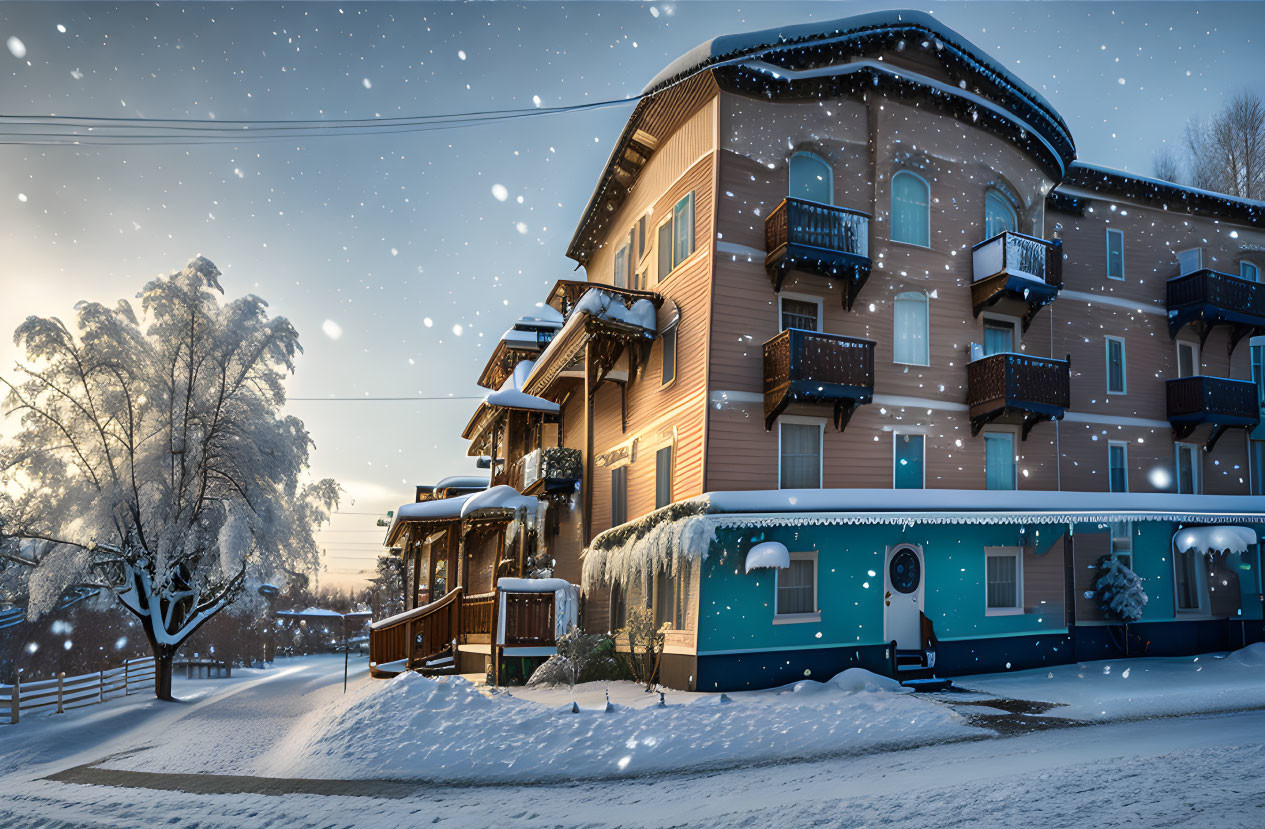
point(332, 329)
point(521, 227)
point(16, 47)
point(368, 84)
point(499, 192)
point(457, 328)
point(461, 54)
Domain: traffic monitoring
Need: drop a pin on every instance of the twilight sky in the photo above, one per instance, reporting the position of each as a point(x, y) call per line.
point(402, 257)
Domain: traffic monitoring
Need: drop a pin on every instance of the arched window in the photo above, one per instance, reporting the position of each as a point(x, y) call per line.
point(999, 215)
point(811, 179)
point(910, 329)
point(911, 213)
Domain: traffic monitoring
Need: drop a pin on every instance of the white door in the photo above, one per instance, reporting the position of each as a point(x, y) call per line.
point(902, 597)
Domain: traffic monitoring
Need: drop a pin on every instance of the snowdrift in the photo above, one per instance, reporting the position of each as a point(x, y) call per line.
point(447, 730)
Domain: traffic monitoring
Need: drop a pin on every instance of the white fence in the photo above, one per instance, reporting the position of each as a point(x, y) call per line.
point(77, 691)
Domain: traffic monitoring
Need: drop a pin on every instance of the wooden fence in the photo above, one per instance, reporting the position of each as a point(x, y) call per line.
point(66, 692)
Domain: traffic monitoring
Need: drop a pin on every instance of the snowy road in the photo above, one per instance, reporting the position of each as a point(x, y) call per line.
point(1186, 771)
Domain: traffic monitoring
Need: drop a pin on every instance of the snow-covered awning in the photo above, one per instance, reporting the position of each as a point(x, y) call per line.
point(424, 512)
point(510, 396)
point(498, 498)
point(1218, 539)
point(772, 555)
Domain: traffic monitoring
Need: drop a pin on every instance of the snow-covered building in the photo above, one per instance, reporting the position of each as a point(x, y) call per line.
point(869, 369)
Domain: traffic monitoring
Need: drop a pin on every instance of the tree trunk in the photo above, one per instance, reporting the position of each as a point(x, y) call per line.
point(164, 656)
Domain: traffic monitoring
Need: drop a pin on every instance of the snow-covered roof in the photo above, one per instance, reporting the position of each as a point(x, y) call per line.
point(311, 613)
point(462, 482)
point(603, 305)
point(1096, 178)
point(511, 395)
point(497, 498)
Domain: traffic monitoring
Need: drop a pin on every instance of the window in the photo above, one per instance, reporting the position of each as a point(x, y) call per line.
point(1189, 261)
point(663, 477)
point(1003, 570)
point(800, 313)
point(1115, 253)
point(811, 179)
point(619, 495)
point(907, 461)
point(1256, 348)
point(1188, 580)
point(911, 213)
point(799, 460)
point(642, 247)
point(1187, 359)
point(667, 372)
point(999, 460)
point(1117, 466)
point(623, 261)
point(676, 236)
point(664, 599)
point(911, 334)
point(999, 215)
point(999, 336)
point(619, 606)
point(1249, 271)
point(1122, 542)
point(1257, 461)
point(796, 586)
point(1115, 365)
point(1188, 468)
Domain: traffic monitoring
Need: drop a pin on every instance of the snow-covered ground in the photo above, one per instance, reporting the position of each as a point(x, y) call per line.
point(120, 764)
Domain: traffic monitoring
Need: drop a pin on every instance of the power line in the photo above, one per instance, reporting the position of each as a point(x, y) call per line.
point(383, 399)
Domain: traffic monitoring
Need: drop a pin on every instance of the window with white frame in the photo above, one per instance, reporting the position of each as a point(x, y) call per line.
point(911, 334)
point(1188, 468)
point(676, 236)
point(1116, 378)
point(622, 275)
point(999, 460)
point(1190, 581)
point(1117, 466)
point(1189, 261)
point(1249, 271)
point(800, 312)
point(796, 586)
point(1000, 335)
point(911, 209)
point(999, 214)
point(1122, 542)
point(908, 460)
point(1004, 575)
point(799, 453)
point(1187, 358)
point(1115, 253)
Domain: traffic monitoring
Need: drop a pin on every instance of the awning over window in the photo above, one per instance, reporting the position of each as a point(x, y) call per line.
point(770, 555)
point(1214, 539)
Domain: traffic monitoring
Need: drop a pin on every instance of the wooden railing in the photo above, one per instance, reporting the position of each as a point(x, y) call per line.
point(1018, 254)
point(796, 354)
point(529, 619)
point(416, 634)
point(1222, 290)
point(1021, 381)
point(1212, 398)
point(476, 614)
point(66, 692)
point(816, 225)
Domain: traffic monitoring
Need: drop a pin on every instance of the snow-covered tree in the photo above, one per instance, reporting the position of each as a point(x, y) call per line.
point(1120, 590)
point(151, 457)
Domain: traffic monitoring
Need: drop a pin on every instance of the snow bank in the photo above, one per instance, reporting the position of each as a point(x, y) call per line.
point(447, 730)
point(1131, 688)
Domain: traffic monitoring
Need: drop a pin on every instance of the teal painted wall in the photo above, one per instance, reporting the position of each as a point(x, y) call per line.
point(736, 608)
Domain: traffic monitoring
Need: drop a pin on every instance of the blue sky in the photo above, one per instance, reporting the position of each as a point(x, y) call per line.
point(399, 241)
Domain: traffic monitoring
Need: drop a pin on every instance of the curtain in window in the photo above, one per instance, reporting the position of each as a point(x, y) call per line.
point(999, 216)
point(1003, 582)
point(796, 313)
point(907, 462)
point(795, 588)
point(1115, 366)
point(999, 461)
point(664, 599)
point(911, 200)
point(1115, 254)
point(621, 267)
point(1249, 272)
point(801, 456)
point(998, 339)
point(1117, 474)
point(911, 339)
point(810, 178)
point(665, 250)
point(683, 232)
point(1187, 565)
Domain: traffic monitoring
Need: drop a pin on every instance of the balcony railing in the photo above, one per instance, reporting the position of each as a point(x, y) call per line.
point(1016, 386)
point(551, 469)
point(1217, 400)
point(1208, 298)
point(1016, 266)
point(821, 239)
point(811, 367)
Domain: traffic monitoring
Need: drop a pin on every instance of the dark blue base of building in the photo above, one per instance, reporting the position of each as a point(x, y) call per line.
point(747, 671)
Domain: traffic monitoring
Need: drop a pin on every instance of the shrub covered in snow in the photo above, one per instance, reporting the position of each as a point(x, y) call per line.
point(645, 645)
point(1120, 590)
point(581, 657)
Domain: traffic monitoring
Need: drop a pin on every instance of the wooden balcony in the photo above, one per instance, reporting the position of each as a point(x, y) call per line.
point(821, 239)
point(810, 367)
point(567, 292)
point(1016, 267)
point(1206, 299)
point(552, 469)
point(1016, 388)
point(1223, 402)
